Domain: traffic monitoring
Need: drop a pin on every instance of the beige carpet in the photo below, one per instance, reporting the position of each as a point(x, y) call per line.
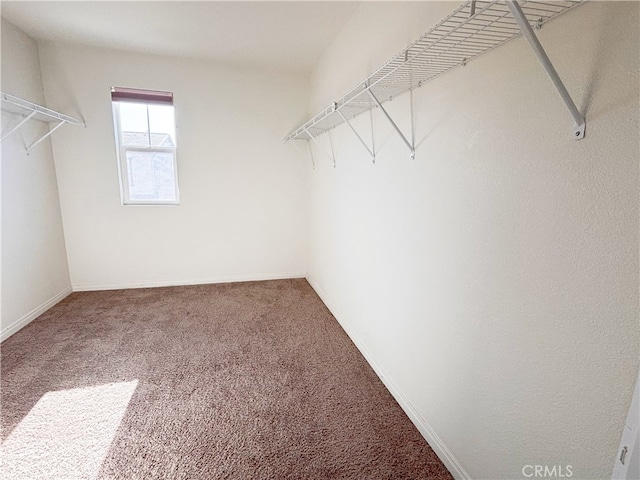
point(234, 381)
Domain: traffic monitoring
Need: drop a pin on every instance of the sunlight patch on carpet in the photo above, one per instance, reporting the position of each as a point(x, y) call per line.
point(66, 434)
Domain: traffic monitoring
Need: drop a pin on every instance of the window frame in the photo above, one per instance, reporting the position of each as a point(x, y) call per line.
point(121, 153)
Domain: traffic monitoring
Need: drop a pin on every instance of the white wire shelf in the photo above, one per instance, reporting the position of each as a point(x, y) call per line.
point(33, 111)
point(471, 30)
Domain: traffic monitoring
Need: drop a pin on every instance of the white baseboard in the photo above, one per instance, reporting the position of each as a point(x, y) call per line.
point(421, 424)
point(199, 281)
point(33, 314)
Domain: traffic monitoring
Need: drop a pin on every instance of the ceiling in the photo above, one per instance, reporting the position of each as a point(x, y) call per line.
point(287, 35)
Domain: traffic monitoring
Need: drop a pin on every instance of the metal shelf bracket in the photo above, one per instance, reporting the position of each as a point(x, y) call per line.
point(58, 125)
point(330, 156)
point(364, 144)
point(313, 163)
point(34, 111)
point(393, 124)
point(536, 46)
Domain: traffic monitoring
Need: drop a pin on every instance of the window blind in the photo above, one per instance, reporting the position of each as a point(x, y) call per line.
point(119, 94)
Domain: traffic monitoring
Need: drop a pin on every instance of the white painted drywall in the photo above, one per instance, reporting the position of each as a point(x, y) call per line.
point(493, 280)
point(243, 192)
point(34, 260)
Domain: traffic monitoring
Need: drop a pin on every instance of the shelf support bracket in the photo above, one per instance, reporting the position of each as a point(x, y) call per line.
point(329, 156)
point(534, 43)
point(62, 122)
point(364, 144)
point(22, 122)
point(293, 141)
point(393, 124)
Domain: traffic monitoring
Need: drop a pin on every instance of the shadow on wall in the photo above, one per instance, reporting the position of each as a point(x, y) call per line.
point(609, 39)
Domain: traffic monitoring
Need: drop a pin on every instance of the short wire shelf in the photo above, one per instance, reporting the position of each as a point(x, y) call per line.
point(33, 111)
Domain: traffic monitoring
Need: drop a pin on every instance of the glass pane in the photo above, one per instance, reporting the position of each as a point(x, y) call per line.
point(151, 176)
point(134, 124)
point(161, 121)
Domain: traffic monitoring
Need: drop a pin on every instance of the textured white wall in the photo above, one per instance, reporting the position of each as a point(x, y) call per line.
point(243, 192)
point(493, 280)
point(34, 260)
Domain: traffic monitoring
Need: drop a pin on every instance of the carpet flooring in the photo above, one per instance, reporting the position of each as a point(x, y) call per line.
point(250, 380)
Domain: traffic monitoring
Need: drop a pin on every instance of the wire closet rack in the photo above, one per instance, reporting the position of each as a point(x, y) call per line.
point(33, 111)
point(476, 27)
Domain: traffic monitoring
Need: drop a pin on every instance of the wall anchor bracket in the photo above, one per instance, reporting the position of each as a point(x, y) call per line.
point(536, 46)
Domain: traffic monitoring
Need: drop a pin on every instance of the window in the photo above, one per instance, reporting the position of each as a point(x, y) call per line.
point(146, 146)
